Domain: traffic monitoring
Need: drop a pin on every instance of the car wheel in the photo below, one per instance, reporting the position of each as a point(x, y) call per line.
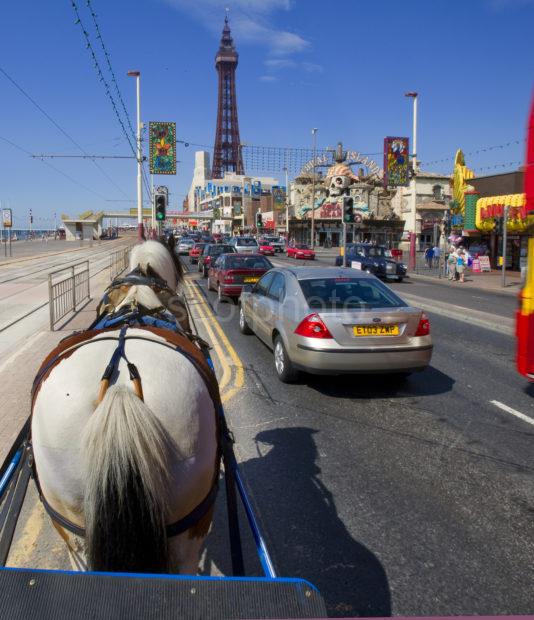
point(400, 278)
point(399, 377)
point(220, 296)
point(243, 325)
point(282, 364)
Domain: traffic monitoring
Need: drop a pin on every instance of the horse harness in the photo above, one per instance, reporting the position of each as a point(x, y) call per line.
point(189, 345)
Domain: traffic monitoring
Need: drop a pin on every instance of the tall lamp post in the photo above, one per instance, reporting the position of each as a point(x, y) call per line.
point(140, 228)
point(314, 134)
point(287, 205)
point(413, 210)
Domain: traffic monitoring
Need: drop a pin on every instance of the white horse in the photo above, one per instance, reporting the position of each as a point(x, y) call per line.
point(126, 468)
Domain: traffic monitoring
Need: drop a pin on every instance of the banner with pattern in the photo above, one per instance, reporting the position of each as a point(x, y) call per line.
point(162, 145)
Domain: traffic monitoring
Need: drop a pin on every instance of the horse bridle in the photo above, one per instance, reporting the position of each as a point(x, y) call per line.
point(224, 438)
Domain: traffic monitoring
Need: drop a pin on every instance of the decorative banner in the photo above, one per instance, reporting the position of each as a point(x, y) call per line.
point(162, 145)
point(396, 162)
point(7, 218)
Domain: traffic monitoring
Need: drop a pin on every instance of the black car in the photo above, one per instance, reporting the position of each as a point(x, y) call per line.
point(210, 253)
point(372, 259)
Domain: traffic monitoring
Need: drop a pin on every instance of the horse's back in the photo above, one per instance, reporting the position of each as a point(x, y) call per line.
point(173, 390)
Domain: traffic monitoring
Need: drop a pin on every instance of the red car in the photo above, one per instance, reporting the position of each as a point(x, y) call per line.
point(300, 250)
point(195, 252)
point(265, 248)
point(230, 272)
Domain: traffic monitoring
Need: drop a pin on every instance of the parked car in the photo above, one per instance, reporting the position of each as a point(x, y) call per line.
point(333, 321)
point(247, 245)
point(230, 272)
point(195, 252)
point(373, 259)
point(266, 248)
point(300, 250)
point(184, 245)
point(210, 252)
point(278, 243)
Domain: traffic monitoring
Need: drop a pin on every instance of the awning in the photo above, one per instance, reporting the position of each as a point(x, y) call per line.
point(491, 207)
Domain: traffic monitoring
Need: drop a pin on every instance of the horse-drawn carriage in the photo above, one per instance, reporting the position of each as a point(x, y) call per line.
point(125, 442)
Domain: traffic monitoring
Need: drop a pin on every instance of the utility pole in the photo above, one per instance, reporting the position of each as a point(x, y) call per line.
point(140, 228)
point(314, 133)
point(287, 205)
point(504, 240)
point(413, 183)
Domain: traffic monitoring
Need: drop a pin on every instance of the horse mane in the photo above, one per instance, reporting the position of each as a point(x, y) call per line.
point(161, 258)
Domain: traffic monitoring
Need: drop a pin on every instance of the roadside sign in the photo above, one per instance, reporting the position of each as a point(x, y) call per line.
point(475, 268)
point(484, 263)
point(7, 218)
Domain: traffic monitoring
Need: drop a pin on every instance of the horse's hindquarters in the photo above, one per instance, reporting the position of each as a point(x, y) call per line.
point(173, 391)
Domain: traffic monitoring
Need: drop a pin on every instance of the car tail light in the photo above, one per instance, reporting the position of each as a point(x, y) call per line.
point(423, 329)
point(313, 327)
point(207, 259)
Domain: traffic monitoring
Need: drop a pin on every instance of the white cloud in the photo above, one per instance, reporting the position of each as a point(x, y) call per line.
point(312, 67)
point(280, 63)
point(249, 20)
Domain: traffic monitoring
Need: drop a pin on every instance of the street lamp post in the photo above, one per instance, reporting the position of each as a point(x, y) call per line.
point(140, 228)
point(314, 134)
point(413, 210)
point(287, 204)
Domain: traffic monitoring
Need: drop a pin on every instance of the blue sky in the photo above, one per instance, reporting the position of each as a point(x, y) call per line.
point(340, 66)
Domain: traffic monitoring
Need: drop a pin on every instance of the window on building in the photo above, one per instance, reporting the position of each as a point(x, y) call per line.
point(437, 190)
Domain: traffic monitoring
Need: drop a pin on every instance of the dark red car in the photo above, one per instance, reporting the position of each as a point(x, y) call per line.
point(300, 250)
point(195, 252)
point(230, 272)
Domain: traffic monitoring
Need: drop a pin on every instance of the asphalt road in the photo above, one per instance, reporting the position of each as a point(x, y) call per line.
point(411, 498)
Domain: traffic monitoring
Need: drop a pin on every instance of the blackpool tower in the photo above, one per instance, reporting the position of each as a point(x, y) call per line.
point(227, 155)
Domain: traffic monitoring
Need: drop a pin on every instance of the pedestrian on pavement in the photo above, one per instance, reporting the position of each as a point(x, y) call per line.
point(437, 253)
point(461, 264)
point(451, 263)
point(429, 256)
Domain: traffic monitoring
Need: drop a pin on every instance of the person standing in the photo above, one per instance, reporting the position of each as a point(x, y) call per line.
point(461, 264)
point(451, 264)
point(429, 256)
point(437, 253)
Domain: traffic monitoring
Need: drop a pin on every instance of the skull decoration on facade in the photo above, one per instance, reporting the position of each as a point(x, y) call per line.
point(338, 180)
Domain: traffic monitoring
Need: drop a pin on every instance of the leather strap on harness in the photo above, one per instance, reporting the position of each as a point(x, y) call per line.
point(181, 344)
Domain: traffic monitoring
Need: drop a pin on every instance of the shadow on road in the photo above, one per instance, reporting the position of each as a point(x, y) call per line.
point(429, 382)
point(305, 535)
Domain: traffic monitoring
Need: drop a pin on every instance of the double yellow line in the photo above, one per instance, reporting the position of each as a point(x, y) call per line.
point(233, 377)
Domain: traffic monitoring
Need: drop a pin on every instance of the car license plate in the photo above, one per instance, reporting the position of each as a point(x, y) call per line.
point(250, 280)
point(376, 330)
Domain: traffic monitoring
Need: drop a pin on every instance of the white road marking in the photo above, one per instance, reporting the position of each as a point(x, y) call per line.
point(517, 414)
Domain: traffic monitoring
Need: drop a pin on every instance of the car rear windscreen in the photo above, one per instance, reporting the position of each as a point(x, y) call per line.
point(246, 242)
point(246, 262)
point(220, 249)
point(346, 293)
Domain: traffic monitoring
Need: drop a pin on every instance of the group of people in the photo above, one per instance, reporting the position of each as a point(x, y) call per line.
point(457, 263)
point(432, 255)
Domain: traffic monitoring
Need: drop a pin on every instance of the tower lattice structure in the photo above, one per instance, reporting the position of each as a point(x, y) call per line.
point(227, 156)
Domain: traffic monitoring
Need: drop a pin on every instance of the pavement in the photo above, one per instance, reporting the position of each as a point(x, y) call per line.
point(393, 498)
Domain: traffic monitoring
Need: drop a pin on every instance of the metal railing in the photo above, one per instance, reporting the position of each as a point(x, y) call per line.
point(435, 267)
point(67, 289)
point(118, 261)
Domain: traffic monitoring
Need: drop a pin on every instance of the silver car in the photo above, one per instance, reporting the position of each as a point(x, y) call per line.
point(333, 321)
point(185, 244)
point(245, 245)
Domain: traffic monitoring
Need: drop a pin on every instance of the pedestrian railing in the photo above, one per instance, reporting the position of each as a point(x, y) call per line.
point(118, 261)
point(435, 267)
point(68, 288)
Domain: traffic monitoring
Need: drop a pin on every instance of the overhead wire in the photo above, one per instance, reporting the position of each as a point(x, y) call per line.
point(107, 88)
point(16, 146)
point(58, 126)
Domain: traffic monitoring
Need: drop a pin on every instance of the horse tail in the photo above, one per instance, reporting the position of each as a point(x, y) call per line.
point(126, 452)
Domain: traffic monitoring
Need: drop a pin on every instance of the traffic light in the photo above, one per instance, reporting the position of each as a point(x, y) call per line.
point(348, 209)
point(259, 220)
point(160, 206)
